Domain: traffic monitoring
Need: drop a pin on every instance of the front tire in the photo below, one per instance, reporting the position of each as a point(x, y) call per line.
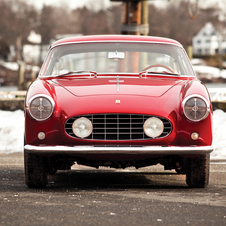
point(35, 170)
point(197, 175)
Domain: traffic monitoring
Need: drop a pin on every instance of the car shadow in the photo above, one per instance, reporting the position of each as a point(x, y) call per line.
point(110, 179)
point(13, 180)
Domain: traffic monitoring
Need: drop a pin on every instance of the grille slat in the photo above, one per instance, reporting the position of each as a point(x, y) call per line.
point(118, 127)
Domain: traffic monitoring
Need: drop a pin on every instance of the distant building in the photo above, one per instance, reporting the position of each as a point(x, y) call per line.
point(208, 41)
point(35, 52)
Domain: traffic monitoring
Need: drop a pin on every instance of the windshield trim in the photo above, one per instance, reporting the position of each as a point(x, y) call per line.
point(115, 41)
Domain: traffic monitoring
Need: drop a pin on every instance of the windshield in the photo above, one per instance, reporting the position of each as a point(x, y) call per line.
point(117, 57)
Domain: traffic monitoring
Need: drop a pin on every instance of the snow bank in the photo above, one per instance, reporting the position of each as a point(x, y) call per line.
point(208, 72)
point(219, 138)
point(12, 133)
point(14, 66)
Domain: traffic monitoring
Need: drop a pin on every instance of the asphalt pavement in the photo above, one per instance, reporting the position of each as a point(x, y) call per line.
point(86, 196)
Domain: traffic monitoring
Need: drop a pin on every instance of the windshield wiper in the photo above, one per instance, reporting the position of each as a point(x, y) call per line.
point(91, 73)
point(163, 72)
point(144, 73)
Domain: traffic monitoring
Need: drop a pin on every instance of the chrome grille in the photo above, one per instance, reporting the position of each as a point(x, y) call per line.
point(117, 126)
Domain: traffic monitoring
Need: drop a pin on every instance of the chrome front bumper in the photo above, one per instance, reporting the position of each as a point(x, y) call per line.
point(133, 150)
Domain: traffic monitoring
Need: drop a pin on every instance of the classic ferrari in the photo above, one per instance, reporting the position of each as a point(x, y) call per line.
point(117, 101)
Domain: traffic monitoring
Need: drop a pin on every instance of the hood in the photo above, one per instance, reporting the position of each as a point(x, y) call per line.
point(151, 86)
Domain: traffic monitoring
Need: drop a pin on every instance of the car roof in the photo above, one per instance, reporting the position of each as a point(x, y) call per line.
point(112, 38)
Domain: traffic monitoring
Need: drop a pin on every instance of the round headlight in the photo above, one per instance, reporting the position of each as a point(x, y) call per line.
point(153, 127)
point(82, 127)
point(195, 108)
point(40, 107)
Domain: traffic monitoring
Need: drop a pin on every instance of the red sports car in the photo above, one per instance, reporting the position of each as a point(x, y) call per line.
point(117, 101)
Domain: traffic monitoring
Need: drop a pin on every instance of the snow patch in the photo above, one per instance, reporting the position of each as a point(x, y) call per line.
point(11, 131)
point(208, 72)
point(219, 138)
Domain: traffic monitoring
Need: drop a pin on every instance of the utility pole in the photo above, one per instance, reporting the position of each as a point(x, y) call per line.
point(135, 20)
point(144, 18)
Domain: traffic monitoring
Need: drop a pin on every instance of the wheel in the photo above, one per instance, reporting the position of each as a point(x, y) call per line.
point(35, 171)
point(197, 173)
point(159, 65)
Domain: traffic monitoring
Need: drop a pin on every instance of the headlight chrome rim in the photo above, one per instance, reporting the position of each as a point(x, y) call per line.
point(89, 123)
point(195, 107)
point(29, 102)
point(161, 127)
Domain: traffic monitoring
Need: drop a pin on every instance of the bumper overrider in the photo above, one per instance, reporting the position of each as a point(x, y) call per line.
point(136, 150)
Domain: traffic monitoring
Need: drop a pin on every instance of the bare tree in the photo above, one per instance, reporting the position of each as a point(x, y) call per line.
point(220, 26)
point(47, 24)
point(17, 18)
point(174, 21)
point(114, 18)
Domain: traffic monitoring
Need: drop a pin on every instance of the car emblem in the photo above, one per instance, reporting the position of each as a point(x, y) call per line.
point(117, 101)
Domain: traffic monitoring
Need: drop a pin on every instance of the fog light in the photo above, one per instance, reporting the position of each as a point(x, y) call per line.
point(194, 136)
point(153, 127)
point(82, 127)
point(41, 135)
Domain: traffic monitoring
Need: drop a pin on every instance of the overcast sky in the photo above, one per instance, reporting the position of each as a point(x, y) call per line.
point(71, 3)
point(80, 3)
point(106, 3)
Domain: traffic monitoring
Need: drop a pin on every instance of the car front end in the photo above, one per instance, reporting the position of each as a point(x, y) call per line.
point(121, 112)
